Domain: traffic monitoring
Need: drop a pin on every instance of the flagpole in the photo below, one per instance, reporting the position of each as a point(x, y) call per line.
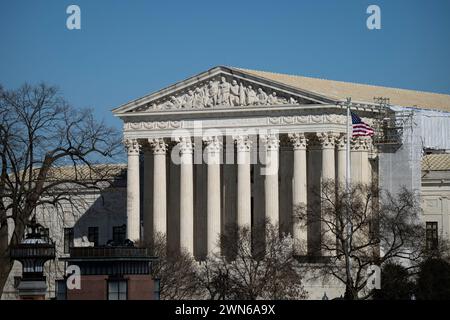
point(347, 161)
point(347, 190)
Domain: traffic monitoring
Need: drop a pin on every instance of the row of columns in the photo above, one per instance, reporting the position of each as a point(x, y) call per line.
point(326, 140)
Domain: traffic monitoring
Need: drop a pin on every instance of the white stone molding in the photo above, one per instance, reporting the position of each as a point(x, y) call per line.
point(151, 125)
point(309, 119)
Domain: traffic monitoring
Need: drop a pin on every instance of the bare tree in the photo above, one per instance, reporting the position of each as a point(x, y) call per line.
point(40, 133)
point(360, 227)
point(176, 271)
point(254, 269)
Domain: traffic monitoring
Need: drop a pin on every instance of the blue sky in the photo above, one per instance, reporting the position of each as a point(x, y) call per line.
point(126, 49)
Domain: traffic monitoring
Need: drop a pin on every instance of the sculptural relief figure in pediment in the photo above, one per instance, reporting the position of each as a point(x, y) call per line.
point(272, 99)
point(235, 94)
point(251, 96)
point(213, 93)
point(242, 94)
point(189, 100)
point(200, 99)
point(262, 97)
point(222, 93)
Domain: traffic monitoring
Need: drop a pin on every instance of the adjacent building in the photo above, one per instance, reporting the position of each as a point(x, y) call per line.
point(436, 197)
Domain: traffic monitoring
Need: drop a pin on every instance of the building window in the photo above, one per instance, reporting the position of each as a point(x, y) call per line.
point(432, 235)
point(68, 239)
point(93, 235)
point(61, 293)
point(117, 290)
point(46, 234)
point(157, 291)
point(119, 234)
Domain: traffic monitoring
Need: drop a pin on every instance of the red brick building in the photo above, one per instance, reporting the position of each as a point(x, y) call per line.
point(111, 273)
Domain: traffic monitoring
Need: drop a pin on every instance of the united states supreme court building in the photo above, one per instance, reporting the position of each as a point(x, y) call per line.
point(235, 147)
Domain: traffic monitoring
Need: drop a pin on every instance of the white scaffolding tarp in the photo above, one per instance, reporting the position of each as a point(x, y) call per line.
point(433, 127)
point(425, 129)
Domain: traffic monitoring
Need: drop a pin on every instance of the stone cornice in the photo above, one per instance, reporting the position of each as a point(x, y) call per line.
point(178, 114)
point(324, 118)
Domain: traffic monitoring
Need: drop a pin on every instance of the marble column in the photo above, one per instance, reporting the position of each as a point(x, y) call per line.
point(342, 161)
point(133, 198)
point(244, 214)
point(159, 187)
point(367, 168)
point(270, 171)
point(328, 142)
point(299, 192)
point(328, 176)
point(213, 152)
point(360, 167)
point(186, 195)
point(147, 204)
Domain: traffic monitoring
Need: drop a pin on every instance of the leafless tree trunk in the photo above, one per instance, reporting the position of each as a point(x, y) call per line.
point(39, 133)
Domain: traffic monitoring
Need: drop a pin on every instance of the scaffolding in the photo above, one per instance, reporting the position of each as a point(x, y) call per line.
point(389, 125)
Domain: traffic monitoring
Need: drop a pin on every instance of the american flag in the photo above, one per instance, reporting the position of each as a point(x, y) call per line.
point(360, 128)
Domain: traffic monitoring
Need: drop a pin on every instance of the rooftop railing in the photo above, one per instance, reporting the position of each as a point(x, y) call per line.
point(103, 252)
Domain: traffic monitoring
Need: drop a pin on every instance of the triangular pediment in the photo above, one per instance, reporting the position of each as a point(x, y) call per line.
point(221, 87)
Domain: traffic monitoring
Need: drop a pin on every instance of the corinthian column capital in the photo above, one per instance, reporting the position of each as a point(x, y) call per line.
point(271, 141)
point(327, 139)
point(185, 144)
point(360, 143)
point(342, 142)
point(243, 143)
point(299, 140)
point(158, 145)
point(213, 144)
point(133, 147)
